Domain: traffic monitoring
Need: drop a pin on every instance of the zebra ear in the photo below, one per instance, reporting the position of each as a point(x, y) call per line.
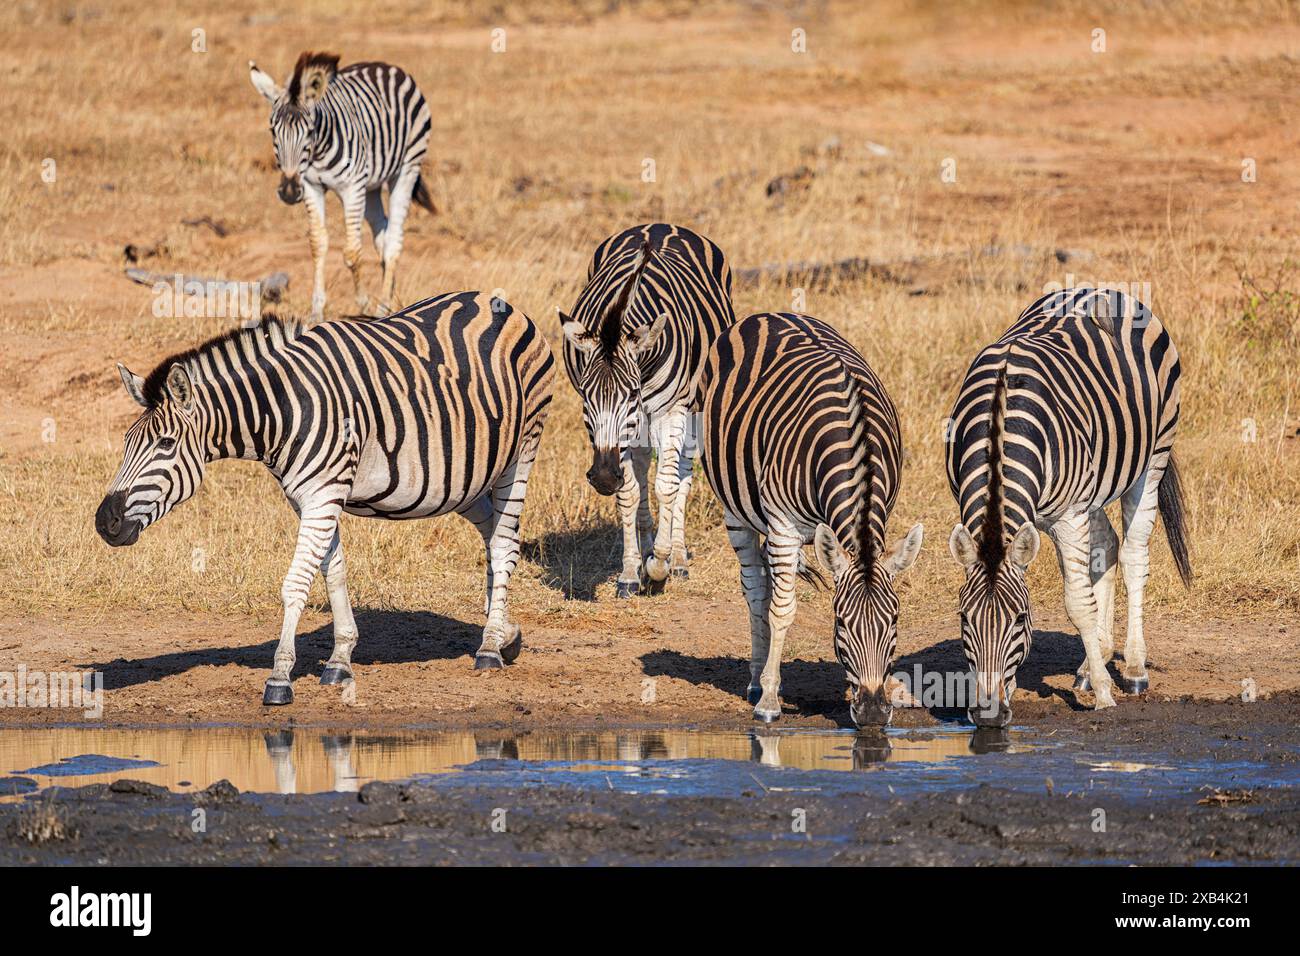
point(644, 338)
point(133, 384)
point(263, 83)
point(576, 333)
point(962, 546)
point(829, 554)
point(1024, 546)
point(179, 389)
point(312, 77)
point(902, 555)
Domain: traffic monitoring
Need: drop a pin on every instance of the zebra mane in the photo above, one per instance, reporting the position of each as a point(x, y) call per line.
point(611, 326)
point(865, 480)
point(269, 334)
point(992, 549)
point(324, 65)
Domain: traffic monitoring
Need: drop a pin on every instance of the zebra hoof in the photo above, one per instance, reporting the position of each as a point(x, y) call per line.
point(488, 661)
point(1082, 682)
point(333, 674)
point(277, 693)
point(766, 716)
point(627, 589)
point(682, 573)
point(510, 652)
point(653, 587)
point(1133, 685)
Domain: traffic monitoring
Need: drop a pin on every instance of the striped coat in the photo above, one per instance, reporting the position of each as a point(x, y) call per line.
point(1073, 407)
point(802, 446)
point(434, 410)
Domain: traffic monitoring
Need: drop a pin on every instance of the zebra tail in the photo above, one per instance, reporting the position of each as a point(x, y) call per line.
point(421, 195)
point(1173, 515)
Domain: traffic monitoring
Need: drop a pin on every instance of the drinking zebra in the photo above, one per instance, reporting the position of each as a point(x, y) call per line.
point(353, 131)
point(1074, 406)
point(438, 408)
point(656, 297)
point(801, 444)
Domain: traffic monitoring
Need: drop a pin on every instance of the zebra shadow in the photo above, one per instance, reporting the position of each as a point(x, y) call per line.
point(578, 560)
point(387, 637)
point(812, 688)
point(1053, 653)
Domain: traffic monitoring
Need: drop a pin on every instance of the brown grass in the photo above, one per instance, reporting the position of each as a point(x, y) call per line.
point(1130, 160)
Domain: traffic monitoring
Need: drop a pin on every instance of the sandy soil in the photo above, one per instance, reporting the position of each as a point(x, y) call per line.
point(416, 668)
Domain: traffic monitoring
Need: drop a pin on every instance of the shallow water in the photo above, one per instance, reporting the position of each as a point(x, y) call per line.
point(683, 762)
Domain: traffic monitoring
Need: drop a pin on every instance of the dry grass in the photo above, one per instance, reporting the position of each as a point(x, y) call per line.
point(1130, 159)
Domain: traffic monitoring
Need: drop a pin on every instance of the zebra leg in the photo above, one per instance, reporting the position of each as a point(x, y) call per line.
point(1140, 506)
point(316, 530)
point(502, 640)
point(354, 206)
point(668, 484)
point(782, 551)
point(1102, 558)
point(754, 583)
point(645, 522)
point(334, 567)
point(377, 220)
point(314, 198)
point(1071, 536)
point(681, 558)
point(632, 497)
point(400, 191)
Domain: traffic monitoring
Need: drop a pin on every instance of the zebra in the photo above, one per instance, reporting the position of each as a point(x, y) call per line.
point(353, 131)
point(801, 445)
point(656, 297)
point(1075, 406)
point(436, 409)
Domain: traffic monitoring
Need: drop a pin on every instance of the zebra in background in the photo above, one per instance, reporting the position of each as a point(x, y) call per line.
point(1074, 406)
point(438, 408)
point(352, 131)
point(656, 298)
point(801, 445)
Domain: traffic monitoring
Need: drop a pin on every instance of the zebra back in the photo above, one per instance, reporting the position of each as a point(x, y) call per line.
point(676, 271)
point(796, 422)
point(1065, 409)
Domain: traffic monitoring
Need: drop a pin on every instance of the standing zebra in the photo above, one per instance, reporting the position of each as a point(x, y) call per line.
point(352, 131)
point(1074, 406)
point(656, 298)
point(438, 408)
point(801, 444)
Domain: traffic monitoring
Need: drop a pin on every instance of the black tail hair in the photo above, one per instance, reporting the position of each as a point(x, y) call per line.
point(1172, 513)
point(421, 195)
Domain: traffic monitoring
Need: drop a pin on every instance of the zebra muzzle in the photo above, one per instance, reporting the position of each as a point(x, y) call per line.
point(871, 708)
point(605, 475)
point(290, 191)
point(111, 522)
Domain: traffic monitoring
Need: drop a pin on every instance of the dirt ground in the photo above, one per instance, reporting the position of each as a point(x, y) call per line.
point(659, 660)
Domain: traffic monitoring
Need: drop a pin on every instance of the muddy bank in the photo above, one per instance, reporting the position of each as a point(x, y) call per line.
point(1156, 782)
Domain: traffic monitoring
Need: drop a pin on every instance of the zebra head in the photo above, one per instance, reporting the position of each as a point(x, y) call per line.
point(610, 385)
point(293, 116)
point(163, 461)
point(866, 619)
point(996, 625)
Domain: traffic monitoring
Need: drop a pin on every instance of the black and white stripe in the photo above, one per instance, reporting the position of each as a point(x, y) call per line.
point(354, 131)
point(802, 446)
point(434, 410)
point(656, 298)
point(1075, 406)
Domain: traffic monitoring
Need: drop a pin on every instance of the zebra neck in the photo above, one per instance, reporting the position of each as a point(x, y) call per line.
point(247, 408)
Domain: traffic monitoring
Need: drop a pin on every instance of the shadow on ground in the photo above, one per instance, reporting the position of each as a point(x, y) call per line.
point(387, 637)
point(577, 561)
